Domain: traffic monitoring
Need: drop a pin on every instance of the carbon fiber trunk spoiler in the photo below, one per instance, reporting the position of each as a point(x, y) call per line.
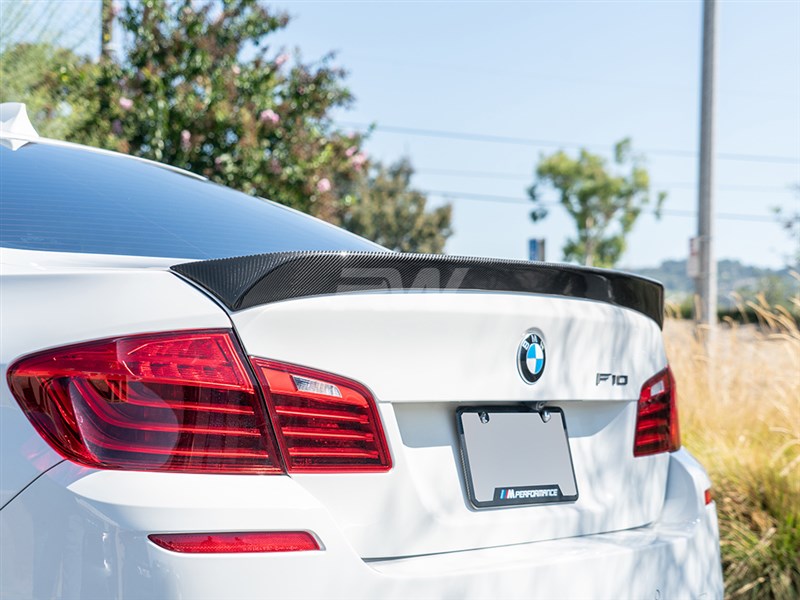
point(247, 281)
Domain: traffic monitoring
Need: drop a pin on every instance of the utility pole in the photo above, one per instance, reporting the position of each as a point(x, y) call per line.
point(706, 282)
point(106, 29)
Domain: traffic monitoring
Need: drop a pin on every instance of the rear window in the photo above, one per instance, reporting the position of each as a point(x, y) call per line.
point(65, 199)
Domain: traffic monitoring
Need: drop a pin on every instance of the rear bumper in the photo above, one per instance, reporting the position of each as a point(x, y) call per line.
point(77, 533)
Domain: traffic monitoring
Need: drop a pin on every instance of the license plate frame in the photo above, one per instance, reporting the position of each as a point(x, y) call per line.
point(535, 468)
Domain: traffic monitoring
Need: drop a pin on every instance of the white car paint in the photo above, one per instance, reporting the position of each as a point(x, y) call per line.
point(49, 299)
point(424, 354)
point(640, 528)
point(106, 515)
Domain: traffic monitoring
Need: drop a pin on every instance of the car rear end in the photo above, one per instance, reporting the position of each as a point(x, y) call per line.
point(340, 421)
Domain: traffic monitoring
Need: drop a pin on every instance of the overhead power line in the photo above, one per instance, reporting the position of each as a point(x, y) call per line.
point(518, 141)
point(770, 189)
point(669, 212)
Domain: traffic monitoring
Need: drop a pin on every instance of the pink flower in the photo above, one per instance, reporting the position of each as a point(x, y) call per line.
point(126, 103)
point(269, 116)
point(116, 127)
point(218, 162)
point(236, 69)
point(350, 151)
point(275, 166)
point(281, 59)
point(186, 139)
point(358, 160)
point(323, 185)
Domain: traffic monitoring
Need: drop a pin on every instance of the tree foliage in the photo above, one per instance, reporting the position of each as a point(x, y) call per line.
point(199, 87)
point(50, 81)
point(197, 84)
point(385, 209)
point(604, 200)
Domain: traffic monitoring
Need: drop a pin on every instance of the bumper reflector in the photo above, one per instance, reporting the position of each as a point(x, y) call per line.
point(708, 497)
point(214, 543)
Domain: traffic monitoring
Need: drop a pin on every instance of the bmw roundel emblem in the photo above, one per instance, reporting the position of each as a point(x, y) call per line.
point(531, 358)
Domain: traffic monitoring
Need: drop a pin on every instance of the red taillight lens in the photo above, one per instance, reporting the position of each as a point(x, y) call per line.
point(323, 423)
point(164, 402)
point(657, 417)
point(210, 543)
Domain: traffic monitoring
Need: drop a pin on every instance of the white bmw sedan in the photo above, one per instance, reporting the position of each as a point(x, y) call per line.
point(209, 395)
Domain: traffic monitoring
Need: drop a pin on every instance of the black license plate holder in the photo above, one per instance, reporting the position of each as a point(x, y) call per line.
point(515, 456)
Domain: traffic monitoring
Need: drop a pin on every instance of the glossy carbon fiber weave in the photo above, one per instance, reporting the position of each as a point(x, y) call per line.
point(248, 281)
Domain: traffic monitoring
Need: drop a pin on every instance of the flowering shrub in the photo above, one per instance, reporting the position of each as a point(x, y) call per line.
point(196, 85)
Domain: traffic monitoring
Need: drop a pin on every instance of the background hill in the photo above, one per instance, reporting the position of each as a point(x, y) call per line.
point(777, 284)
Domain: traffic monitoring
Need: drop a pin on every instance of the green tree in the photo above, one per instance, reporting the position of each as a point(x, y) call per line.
point(40, 64)
point(52, 81)
point(384, 208)
point(197, 85)
point(604, 202)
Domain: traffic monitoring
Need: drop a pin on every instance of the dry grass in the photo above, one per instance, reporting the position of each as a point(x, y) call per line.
point(740, 415)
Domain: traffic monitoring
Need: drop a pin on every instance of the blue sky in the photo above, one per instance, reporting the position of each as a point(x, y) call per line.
point(574, 73)
point(589, 73)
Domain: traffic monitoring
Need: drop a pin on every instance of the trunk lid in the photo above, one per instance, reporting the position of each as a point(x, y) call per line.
point(424, 354)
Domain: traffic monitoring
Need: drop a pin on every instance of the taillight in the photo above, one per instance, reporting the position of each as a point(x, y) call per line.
point(323, 423)
point(657, 417)
point(164, 402)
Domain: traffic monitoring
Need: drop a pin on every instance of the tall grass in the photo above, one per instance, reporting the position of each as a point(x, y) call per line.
point(739, 401)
